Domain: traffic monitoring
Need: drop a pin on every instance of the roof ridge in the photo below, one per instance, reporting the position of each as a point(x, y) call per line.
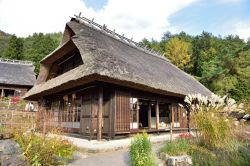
point(119, 37)
point(13, 61)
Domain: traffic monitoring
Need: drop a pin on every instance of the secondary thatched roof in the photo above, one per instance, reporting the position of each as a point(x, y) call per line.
point(13, 72)
point(107, 58)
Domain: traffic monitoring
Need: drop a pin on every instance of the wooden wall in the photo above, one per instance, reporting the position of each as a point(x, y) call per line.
point(115, 110)
point(122, 111)
point(89, 113)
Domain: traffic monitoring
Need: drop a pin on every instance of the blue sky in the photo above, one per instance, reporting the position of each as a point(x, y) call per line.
point(211, 16)
point(95, 4)
point(135, 18)
point(205, 15)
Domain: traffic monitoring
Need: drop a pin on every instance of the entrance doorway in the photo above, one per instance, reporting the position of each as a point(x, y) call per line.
point(143, 113)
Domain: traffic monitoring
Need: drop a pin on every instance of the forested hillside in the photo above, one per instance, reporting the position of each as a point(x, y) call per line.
point(32, 48)
point(221, 64)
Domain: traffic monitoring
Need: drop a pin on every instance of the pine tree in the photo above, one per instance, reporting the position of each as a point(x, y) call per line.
point(14, 49)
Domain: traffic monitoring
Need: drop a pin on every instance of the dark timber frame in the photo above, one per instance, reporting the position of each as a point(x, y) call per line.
point(105, 111)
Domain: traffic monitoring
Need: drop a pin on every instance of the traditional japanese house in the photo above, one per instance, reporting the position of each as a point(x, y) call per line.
point(16, 77)
point(101, 84)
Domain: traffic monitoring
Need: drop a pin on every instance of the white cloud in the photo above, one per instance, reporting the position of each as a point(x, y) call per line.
point(135, 18)
point(242, 29)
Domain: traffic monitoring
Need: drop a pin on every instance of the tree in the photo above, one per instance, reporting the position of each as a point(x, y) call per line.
point(177, 51)
point(15, 48)
point(38, 46)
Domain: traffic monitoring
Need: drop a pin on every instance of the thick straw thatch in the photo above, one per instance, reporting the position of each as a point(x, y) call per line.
point(109, 59)
point(13, 72)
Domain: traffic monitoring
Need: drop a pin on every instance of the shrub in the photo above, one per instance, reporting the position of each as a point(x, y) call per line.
point(177, 147)
point(213, 130)
point(238, 156)
point(43, 150)
point(140, 151)
point(235, 153)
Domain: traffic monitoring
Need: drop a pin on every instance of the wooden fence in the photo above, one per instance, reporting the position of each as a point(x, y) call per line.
point(18, 118)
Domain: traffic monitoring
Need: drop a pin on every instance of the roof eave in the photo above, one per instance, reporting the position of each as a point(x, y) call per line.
point(101, 78)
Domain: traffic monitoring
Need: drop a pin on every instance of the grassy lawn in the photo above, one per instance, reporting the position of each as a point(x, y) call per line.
point(235, 153)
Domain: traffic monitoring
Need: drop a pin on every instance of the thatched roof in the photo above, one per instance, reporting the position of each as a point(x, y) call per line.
point(107, 58)
point(14, 72)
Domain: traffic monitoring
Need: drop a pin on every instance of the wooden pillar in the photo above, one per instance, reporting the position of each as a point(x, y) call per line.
point(73, 106)
point(137, 113)
point(100, 110)
point(172, 122)
point(113, 114)
point(172, 115)
point(149, 115)
point(110, 115)
point(2, 93)
point(157, 115)
point(188, 120)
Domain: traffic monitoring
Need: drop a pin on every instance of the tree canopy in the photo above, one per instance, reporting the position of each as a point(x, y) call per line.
point(32, 48)
point(221, 64)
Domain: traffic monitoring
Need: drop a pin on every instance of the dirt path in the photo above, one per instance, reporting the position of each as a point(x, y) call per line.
point(115, 158)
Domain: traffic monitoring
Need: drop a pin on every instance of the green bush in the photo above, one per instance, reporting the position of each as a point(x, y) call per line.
point(214, 130)
point(239, 156)
point(43, 150)
point(140, 151)
point(177, 147)
point(233, 154)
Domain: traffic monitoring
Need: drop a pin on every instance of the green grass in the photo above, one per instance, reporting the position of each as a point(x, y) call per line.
point(178, 147)
point(234, 154)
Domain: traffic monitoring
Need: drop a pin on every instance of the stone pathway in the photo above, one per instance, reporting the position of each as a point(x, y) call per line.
point(109, 153)
point(117, 158)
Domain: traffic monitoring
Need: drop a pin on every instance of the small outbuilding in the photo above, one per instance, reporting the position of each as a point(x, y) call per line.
point(16, 77)
point(100, 84)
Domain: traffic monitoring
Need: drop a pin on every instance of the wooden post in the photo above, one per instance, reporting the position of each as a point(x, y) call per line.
point(157, 115)
point(149, 115)
point(172, 115)
point(100, 109)
point(114, 113)
point(2, 93)
point(188, 120)
point(137, 113)
point(110, 117)
point(171, 123)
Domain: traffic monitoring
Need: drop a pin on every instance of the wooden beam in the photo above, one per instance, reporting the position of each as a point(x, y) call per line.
point(157, 115)
point(100, 110)
point(149, 115)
